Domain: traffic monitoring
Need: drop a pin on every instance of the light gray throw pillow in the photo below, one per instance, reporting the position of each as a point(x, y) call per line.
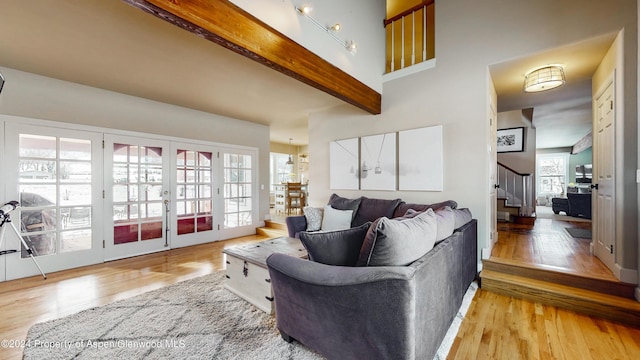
point(313, 216)
point(391, 242)
point(446, 220)
point(462, 217)
point(334, 219)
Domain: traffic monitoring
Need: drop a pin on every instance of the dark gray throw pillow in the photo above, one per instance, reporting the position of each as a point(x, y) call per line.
point(372, 209)
point(394, 242)
point(341, 247)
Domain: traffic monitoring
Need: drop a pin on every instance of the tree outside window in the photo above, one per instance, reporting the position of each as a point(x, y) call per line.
point(552, 172)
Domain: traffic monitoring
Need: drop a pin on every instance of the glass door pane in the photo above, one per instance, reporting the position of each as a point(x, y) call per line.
point(237, 189)
point(193, 198)
point(138, 195)
point(58, 191)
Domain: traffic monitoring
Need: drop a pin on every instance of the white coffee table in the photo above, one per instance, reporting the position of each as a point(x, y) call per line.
point(247, 273)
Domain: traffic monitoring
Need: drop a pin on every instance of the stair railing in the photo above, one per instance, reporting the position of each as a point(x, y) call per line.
point(422, 39)
point(516, 188)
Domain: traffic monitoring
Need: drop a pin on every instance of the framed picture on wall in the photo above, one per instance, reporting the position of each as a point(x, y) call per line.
point(510, 140)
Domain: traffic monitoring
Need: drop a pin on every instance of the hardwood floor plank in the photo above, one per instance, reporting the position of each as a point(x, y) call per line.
point(495, 327)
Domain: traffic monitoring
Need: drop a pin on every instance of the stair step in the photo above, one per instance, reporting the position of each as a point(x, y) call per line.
point(271, 232)
point(560, 276)
point(588, 302)
point(275, 225)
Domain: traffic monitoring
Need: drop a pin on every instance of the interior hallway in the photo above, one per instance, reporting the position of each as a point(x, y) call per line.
point(548, 244)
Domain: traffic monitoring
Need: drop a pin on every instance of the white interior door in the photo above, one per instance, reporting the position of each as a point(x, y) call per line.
point(136, 187)
point(493, 176)
point(58, 186)
point(604, 176)
point(193, 207)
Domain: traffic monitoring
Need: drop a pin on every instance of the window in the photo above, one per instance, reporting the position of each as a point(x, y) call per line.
point(552, 174)
point(281, 172)
point(55, 193)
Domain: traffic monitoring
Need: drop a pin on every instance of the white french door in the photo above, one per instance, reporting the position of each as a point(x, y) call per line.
point(238, 188)
point(193, 204)
point(136, 195)
point(58, 186)
point(3, 275)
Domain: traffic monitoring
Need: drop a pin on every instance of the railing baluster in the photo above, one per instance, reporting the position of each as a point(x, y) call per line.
point(402, 47)
point(393, 47)
point(424, 33)
point(413, 38)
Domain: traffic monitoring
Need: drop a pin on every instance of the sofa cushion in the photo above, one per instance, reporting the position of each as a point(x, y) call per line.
point(445, 218)
point(391, 242)
point(340, 247)
point(372, 209)
point(462, 216)
point(334, 219)
point(313, 216)
point(403, 207)
point(338, 202)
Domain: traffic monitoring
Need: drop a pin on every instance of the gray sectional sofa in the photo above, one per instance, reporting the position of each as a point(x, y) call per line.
point(367, 311)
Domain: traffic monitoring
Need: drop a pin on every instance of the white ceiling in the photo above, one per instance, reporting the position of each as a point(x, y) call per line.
point(562, 116)
point(113, 46)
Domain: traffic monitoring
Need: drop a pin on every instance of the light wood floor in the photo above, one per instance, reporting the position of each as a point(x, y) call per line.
point(496, 327)
point(548, 243)
point(25, 302)
point(503, 327)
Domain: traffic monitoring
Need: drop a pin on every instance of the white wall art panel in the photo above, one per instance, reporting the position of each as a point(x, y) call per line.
point(421, 164)
point(378, 162)
point(343, 168)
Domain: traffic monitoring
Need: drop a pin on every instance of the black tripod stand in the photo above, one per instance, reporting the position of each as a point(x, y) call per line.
point(6, 218)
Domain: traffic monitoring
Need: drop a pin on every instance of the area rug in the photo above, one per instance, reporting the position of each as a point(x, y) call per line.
point(579, 233)
point(193, 319)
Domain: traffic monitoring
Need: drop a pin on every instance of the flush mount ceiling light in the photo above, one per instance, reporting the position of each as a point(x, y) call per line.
point(544, 78)
point(350, 45)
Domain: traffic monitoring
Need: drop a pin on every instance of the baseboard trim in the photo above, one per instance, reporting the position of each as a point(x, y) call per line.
point(628, 276)
point(638, 294)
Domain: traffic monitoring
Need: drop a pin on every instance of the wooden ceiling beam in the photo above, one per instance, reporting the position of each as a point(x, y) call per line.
point(225, 24)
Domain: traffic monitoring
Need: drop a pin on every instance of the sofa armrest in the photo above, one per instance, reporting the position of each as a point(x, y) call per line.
point(345, 312)
point(295, 224)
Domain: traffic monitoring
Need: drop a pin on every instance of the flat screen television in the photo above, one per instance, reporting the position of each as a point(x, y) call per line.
point(584, 173)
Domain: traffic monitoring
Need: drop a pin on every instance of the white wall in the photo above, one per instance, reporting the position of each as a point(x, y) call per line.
point(523, 162)
point(470, 36)
point(39, 97)
point(361, 21)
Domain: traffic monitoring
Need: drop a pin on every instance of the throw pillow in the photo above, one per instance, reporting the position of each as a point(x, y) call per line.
point(340, 248)
point(314, 218)
point(340, 203)
point(462, 216)
point(445, 219)
point(371, 209)
point(403, 207)
point(334, 219)
point(391, 242)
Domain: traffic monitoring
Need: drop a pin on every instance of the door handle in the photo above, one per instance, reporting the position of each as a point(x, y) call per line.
point(496, 186)
point(594, 186)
